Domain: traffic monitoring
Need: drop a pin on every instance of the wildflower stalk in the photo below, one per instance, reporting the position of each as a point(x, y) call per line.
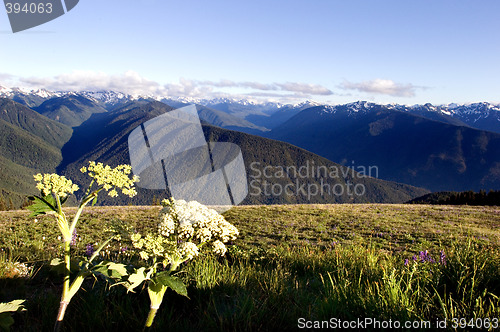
point(184, 229)
point(55, 189)
point(155, 296)
point(69, 290)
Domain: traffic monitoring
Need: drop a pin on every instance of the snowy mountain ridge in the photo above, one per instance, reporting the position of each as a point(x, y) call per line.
point(471, 111)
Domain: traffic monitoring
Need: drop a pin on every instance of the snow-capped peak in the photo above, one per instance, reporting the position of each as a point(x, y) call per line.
point(4, 91)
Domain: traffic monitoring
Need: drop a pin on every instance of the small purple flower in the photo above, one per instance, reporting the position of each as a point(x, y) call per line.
point(407, 262)
point(442, 258)
point(124, 249)
point(74, 238)
point(424, 256)
point(414, 258)
point(89, 250)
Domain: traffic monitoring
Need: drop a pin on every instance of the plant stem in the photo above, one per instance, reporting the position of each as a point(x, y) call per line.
point(60, 316)
point(67, 263)
point(151, 317)
point(83, 203)
point(64, 302)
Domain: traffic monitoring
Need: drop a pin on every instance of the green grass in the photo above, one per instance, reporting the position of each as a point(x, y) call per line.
point(316, 262)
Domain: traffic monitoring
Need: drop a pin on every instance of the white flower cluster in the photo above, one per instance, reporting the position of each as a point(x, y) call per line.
point(16, 270)
point(185, 228)
point(195, 222)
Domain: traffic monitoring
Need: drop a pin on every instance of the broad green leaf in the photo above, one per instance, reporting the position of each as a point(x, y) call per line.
point(175, 283)
point(6, 321)
point(58, 265)
point(115, 275)
point(135, 279)
point(42, 205)
point(12, 306)
point(119, 268)
point(111, 271)
point(100, 268)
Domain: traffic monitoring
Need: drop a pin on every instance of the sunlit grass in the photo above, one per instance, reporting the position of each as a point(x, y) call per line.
point(316, 262)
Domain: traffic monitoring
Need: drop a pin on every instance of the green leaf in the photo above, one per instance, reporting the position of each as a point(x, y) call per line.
point(118, 267)
point(12, 306)
point(100, 268)
point(6, 321)
point(42, 205)
point(113, 272)
point(175, 283)
point(135, 279)
point(59, 266)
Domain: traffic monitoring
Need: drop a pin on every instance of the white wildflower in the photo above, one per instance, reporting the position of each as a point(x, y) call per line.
point(167, 225)
point(185, 231)
point(219, 247)
point(203, 234)
point(188, 250)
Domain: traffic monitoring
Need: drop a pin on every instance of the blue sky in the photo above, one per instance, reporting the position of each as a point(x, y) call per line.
point(330, 51)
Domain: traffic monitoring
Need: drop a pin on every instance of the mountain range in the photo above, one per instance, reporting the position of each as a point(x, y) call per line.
point(266, 116)
point(34, 143)
point(439, 148)
point(104, 138)
point(421, 146)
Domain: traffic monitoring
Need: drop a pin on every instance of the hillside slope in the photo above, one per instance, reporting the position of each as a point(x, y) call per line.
point(29, 143)
point(71, 110)
point(404, 147)
point(104, 138)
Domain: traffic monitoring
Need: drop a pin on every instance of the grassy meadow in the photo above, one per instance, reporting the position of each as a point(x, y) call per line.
point(318, 263)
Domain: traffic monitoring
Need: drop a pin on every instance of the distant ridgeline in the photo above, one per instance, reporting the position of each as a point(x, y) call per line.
point(460, 198)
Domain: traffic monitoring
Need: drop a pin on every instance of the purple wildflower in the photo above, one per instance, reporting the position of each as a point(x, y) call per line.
point(424, 256)
point(73, 238)
point(442, 258)
point(89, 250)
point(407, 262)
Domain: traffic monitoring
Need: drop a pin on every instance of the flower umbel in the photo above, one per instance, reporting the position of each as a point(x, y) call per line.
point(112, 179)
point(185, 228)
point(55, 184)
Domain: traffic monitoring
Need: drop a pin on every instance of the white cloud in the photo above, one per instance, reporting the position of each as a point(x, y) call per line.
point(133, 83)
point(306, 89)
point(381, 86)
point(128, 82)
point(301, 88)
